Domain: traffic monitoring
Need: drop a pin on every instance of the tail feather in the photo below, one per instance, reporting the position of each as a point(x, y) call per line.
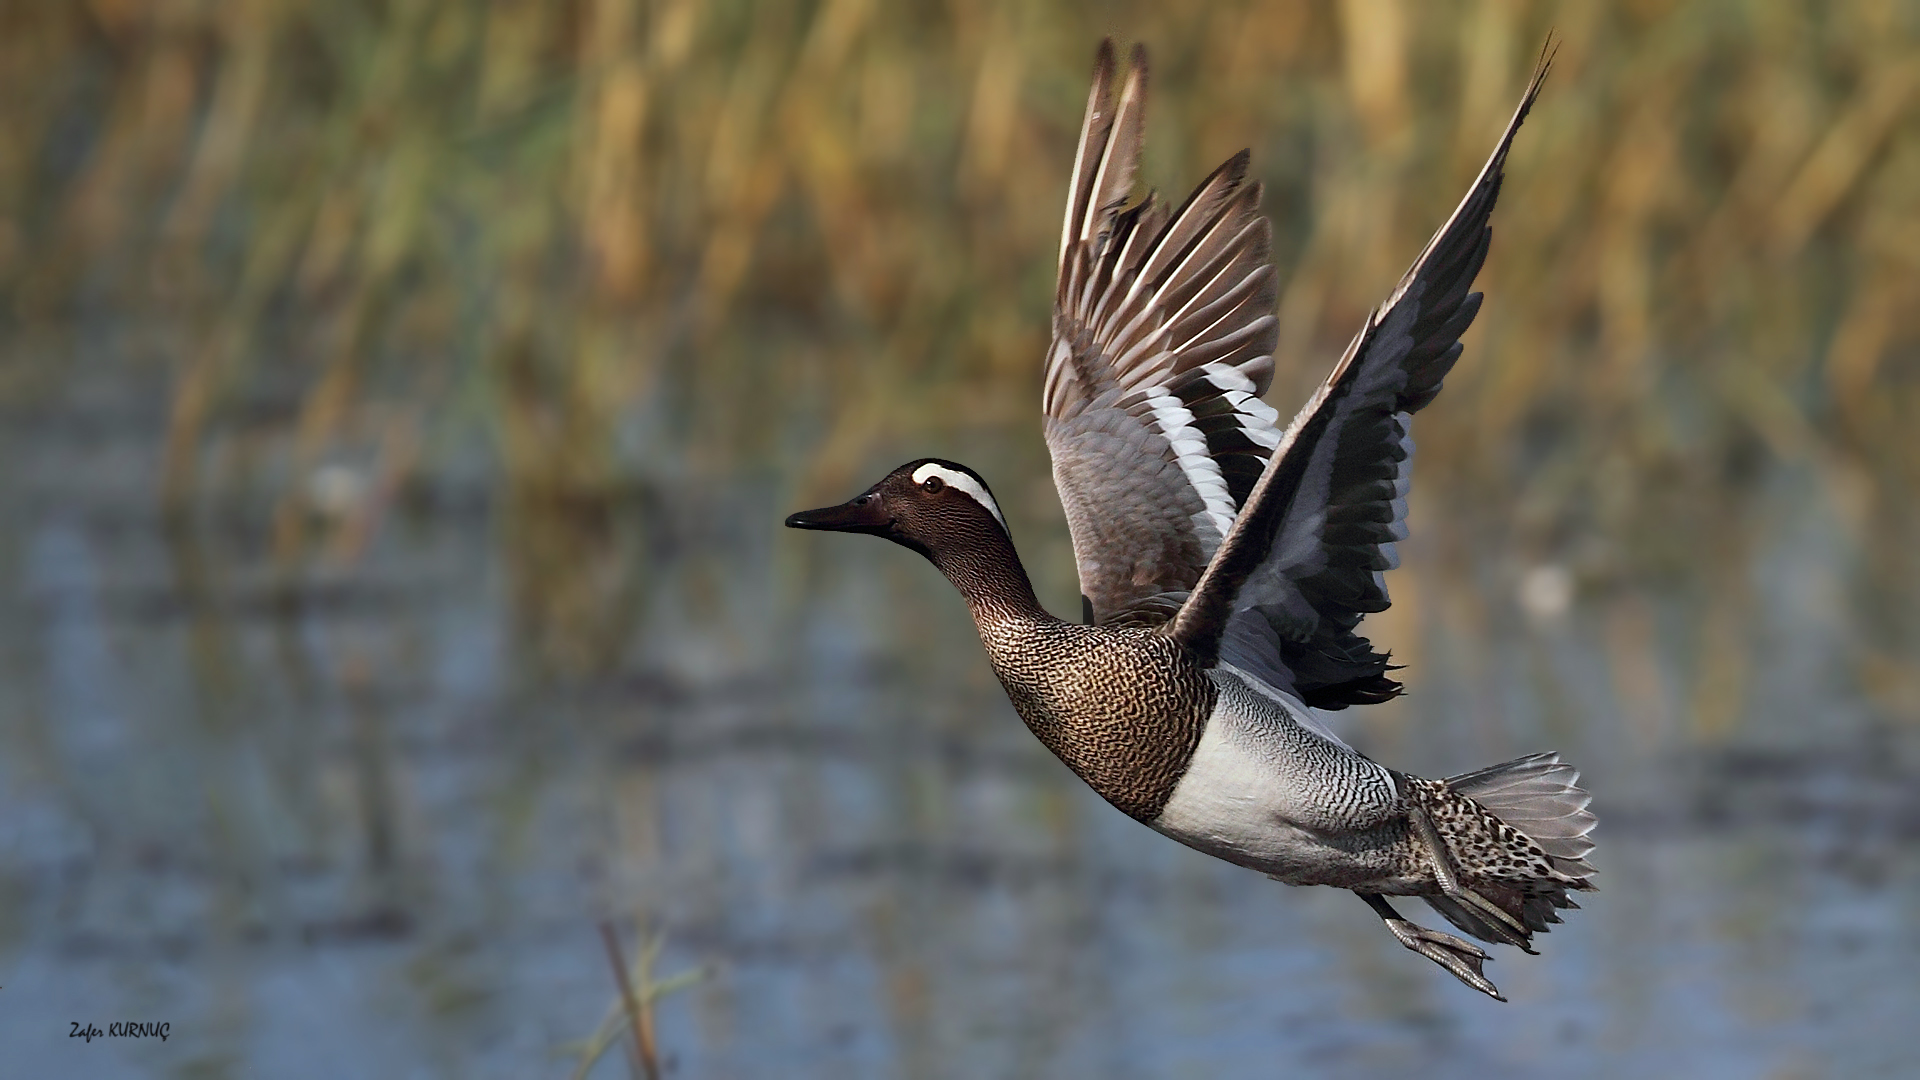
point(1540, 795)
point(1473, 922)
point(1516, 836)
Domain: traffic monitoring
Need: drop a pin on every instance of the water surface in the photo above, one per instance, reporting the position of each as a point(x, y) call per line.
point(362, 816)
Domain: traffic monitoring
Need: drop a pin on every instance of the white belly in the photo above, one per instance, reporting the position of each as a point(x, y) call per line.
point(1266, 793)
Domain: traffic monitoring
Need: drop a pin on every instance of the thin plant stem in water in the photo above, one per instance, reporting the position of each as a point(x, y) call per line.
point(644, 1058)
point(632, 1008)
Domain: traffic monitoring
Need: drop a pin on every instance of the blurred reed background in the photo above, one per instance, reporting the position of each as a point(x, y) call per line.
point(610, 240)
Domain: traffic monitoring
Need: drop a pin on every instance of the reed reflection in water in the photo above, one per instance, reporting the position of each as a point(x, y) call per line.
point(400, 401)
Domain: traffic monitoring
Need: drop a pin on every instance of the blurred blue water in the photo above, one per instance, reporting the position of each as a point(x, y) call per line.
point(337, 820)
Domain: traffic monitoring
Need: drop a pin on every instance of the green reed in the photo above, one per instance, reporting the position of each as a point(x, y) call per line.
point(756, 228)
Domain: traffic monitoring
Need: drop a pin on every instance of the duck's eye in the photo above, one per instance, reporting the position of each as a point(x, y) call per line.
point(934, 484)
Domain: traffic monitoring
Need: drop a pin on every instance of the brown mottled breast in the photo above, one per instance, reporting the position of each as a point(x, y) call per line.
point(1122, 706)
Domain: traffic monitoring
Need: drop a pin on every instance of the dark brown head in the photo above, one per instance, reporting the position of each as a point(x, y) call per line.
point(930, 505)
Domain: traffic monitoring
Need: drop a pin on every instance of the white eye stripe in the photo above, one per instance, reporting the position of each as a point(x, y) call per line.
point(964, 482)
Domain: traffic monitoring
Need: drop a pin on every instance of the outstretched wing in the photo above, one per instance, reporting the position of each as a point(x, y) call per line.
point(1163, 335)
point(1304, 561)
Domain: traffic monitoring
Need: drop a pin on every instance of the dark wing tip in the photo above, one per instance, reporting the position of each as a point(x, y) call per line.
point(1103, 60)
point(1366, 690)
point(1542, 66)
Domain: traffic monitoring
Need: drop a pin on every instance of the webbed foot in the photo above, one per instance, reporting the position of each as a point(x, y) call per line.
point(1461, 958)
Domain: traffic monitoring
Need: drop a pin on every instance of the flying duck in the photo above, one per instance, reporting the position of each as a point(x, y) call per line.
point(1225, 562)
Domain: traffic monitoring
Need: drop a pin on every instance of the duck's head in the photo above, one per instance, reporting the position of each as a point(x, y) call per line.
point(927, 505)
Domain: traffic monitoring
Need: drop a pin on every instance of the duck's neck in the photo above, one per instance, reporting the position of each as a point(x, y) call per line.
point(995, 585)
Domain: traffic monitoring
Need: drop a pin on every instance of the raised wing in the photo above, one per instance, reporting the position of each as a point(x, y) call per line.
point(1163, 335)
point(1304, 561)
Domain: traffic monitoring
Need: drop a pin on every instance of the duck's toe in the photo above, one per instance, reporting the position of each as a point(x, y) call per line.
point(1460, 957)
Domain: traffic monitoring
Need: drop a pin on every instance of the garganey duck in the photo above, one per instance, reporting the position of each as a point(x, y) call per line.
point(1225, 563)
